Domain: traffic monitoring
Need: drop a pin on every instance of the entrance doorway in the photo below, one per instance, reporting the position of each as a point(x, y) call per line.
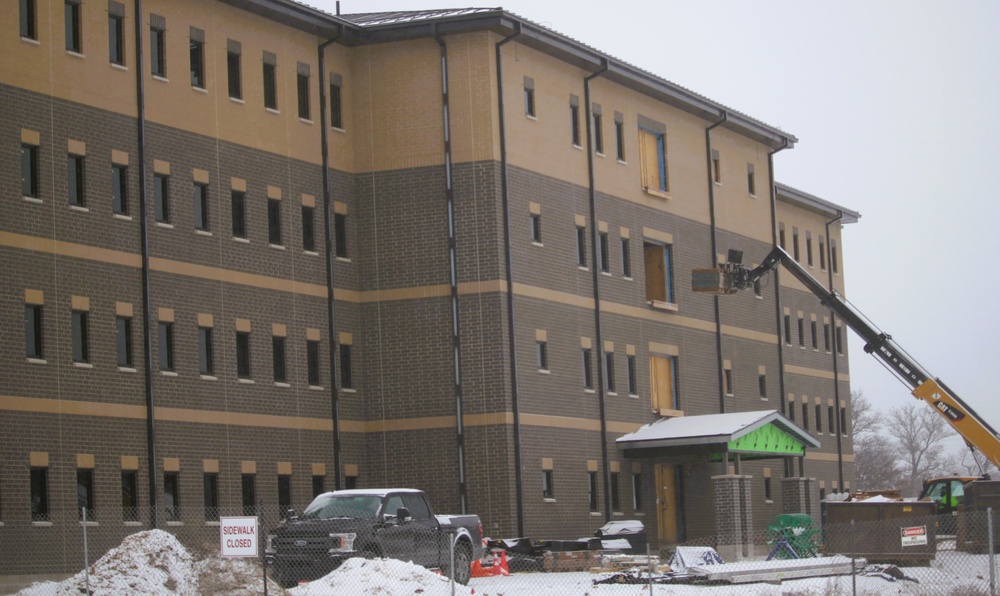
point(668, 503)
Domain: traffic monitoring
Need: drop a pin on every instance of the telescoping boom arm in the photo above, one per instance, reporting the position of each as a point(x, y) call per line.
point(734, 277)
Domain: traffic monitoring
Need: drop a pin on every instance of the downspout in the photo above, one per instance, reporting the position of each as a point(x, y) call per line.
point(456, 339)
point(715, 251)
point(140, 106)
point(328, 236)
point(601, 396)
point(508, 263)
point(789, 466)
point(836, 367)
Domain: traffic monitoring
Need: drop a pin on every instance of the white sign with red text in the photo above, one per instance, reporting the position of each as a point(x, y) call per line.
point(238, 536)
point(915, 536)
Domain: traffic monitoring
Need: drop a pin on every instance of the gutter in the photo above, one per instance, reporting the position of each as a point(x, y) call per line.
point(714, 258)
point(601, 397)
point(328, 234)
point(508, 263)
point(835, 352)
point(789, 465)
point(140, 105)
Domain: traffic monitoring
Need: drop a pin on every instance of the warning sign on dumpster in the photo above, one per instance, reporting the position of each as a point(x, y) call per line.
point(915, 536)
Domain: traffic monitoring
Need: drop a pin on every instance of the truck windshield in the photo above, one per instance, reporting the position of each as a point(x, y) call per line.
point(353, 506)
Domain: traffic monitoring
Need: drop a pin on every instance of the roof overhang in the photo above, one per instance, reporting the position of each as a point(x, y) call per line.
point(794, 196)
point(760, 434)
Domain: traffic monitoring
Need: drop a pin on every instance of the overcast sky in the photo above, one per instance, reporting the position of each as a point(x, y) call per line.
point(894, 104)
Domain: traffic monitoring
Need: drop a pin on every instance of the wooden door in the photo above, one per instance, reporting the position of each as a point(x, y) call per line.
point(667, 512)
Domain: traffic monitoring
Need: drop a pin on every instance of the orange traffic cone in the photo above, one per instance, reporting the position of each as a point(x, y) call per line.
point(500, 566)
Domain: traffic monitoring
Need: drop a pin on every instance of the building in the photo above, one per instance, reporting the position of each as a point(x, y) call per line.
point(507, 219)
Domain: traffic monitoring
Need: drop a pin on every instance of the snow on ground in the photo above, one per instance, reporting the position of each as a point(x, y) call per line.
point(384, 577)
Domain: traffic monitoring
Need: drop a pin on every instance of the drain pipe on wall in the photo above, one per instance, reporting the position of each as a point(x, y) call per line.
point(508, 263)
point(328, 238)
point(835, 352)
point(789, 465)
point(140, 106)
point(601, 372)
point(463, 492)
point(715, 251)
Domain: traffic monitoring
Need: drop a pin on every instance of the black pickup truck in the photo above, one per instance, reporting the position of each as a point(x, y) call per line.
point(395, 523)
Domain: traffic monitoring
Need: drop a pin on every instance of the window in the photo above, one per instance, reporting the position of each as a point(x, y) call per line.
point(626, 259)
point(157, 45)
point(812, 329)
point(843, 421)
point(802, 333)
point(819, 419)
point(308, 229)
point(172, 496)
point(274, 222)
point(119, 189)
point(795, 243)
point(200, 206)
point(592, 491)
point(581, 246)
point(574, 118)
point(658, 263)
point(833, 256)
point(788, 329)
point(822, 254)
point(270, 81)
point(831, 419)
point(547, 486)
point(604, 252)
point(116, 33)
point(716, 167)
point(210, 488)
point(278, 358)
point(336, 101)
point(636, 491)
point(588, 369)
point(248, 485)
point(130, 495)
point(239, 211)
point(805, 416)
point(653, 159)
point(598, 130)
point(234, 74)
point(781, 235)
point(620, 136)
point(284, 494)
point(840, 340)
point(346, 378)
point(29, 171)
point(616, 500)
point(535, 224)
point(542, 355)
point(33, 331)
point(302, 85)
point(81, 351)
point(751, 182)
point(767, 488)
point(243, 354)
point(71, 12)
point(340, 233)
point(826, 337)
point(161, 197)
point(791, 412)
point(197, 57)
point(609, 371)
point(206, 363)
point(633, 389)
point(727, 378)
point(123, 341)
point(28, 19)
point(350, 482)
point(809, 249)
point(85, 493)
point(39, 493)
point(312, 361)
point(762, 385)
point(318, 485)
point(529, 97)
point(165, 332)
point(663, 382)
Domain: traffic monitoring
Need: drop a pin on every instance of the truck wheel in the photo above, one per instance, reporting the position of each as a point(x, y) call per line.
point(463, 564)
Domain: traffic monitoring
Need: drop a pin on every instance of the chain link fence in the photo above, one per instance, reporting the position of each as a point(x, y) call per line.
point(795, 555)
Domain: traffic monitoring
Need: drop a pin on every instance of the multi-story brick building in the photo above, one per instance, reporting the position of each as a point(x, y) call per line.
point(483, 289)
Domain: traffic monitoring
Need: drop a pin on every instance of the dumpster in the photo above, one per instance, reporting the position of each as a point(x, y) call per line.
point(883, 531)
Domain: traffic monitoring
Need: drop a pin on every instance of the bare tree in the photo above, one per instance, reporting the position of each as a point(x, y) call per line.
point(917, 433)
point(968, 461)
point(864, 418)
point(876, 465)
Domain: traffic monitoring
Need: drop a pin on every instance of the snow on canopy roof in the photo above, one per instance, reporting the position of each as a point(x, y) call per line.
point(710, 429)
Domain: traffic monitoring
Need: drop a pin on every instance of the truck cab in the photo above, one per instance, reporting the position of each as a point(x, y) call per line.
point(947, 492)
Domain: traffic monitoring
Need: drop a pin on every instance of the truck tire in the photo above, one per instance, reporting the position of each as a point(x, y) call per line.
point(463, 563)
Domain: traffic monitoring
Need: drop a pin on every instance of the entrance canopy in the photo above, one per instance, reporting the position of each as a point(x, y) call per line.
point(751, 435)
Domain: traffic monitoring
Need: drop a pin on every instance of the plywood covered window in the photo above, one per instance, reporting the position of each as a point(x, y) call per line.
point(663, 382)
point(658, 261)
point(653, 160)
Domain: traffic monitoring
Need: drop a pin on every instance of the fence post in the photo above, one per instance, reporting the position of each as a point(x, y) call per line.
point(262, 544)
point(989, 534)
point(649, 568)
point(854, 571)
point(86, 551)
point(452, 539)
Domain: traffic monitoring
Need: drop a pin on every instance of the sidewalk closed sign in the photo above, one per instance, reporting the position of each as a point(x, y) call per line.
point(238, 536)
point(915, 536)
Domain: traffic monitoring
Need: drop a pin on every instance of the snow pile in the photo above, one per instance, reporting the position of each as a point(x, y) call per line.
point(384, 577)
point(151, 562)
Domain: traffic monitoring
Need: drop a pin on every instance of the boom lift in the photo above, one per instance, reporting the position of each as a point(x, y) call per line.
point(978, 434)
